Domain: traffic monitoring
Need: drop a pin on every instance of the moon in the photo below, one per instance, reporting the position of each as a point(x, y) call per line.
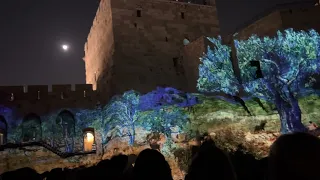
point(65, 47)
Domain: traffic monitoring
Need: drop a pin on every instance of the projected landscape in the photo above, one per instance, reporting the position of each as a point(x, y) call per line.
point(274, 94)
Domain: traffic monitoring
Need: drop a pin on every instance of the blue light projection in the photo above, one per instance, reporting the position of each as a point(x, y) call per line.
point(287, 62)
point(166, 120)
point(168, 96)
point(157, 111)
point(123, 111)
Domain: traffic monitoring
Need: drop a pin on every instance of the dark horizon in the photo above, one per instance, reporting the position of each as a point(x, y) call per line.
point(34, 30)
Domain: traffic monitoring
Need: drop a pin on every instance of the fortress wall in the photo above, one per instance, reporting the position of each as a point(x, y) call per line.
point(297, 18)
point(147, 48)
point(37, 99)
point(191, 55)
point(301, 18)
point(266, 26)
point(99, 48)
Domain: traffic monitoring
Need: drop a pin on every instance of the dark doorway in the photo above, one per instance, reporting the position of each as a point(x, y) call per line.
point(66, 129)
point(31, 128)
point(3, 130)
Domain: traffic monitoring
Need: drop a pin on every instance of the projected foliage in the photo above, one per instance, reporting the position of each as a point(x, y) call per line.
point(287, 62)
point(216, 73)
point(168, 96)
point(160, 109)
point(166, 120)
point(122, 111)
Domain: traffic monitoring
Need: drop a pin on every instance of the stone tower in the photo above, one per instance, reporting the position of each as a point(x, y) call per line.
point(135, 44)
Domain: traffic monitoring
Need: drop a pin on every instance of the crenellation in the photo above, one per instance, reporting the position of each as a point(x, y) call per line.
point(41, 93)
point(12, 89)
point(37, 92)
point(66, 88)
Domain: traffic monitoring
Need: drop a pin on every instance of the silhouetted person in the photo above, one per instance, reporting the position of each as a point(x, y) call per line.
point(23, 174)
point(210, 163)
point(151, 164)
point(245, 165)
point(103, 168)
point(87, 173)
point(56, 173)
point(118, 166)
point(129, 169)
point(295, 157)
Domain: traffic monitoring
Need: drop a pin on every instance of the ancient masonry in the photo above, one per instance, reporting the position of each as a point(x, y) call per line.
point(137, 44)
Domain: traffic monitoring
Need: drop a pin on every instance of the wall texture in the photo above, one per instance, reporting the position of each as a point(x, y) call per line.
point(301, 18)
point(147, 36)
point(37, 99)
point(296, 18)
point(99, 49)
point(191, 57)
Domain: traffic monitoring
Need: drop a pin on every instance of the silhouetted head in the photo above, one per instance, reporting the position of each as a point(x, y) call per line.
point(119, 162)
point(23, 173)
point(295, 157)
point(210, 163)
point(56, 173)
point(151, 164)
point(132, 158)
point(104, 163)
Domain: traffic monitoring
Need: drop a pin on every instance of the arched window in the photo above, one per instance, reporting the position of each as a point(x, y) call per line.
point(66, 123)
point(31, 128)
point(3, 130)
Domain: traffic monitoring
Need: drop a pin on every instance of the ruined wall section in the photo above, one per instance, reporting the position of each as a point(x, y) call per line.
point(296, 18)
point(148, 37)
point(301, 18)
point(99, 49)
point(266, 26)
point(191, 55)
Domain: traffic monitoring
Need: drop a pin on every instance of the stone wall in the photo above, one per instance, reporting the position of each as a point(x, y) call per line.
point(146, 48)
point(22, 105)
point(191, 56)
point(266, 26)
point(37, 98)
point(301, 18)
point(99, 49)
point(148, 36)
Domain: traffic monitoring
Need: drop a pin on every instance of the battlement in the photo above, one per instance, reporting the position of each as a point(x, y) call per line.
point(209, 3)
point(38, 92)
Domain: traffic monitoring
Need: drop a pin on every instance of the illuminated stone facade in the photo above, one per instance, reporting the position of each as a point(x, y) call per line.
point(136, 44)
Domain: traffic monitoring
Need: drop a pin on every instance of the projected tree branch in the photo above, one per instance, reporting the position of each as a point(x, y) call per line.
point(286, 63)
point(123, 112)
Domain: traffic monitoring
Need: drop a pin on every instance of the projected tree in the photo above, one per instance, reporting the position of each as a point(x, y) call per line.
point(275, 69)
point(123, 112)
point(166, 119)
point(216, 72)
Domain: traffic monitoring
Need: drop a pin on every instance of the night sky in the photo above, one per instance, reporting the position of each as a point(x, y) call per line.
point(32, 32)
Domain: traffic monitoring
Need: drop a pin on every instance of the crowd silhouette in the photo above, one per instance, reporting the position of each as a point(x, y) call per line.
point(292, 156)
